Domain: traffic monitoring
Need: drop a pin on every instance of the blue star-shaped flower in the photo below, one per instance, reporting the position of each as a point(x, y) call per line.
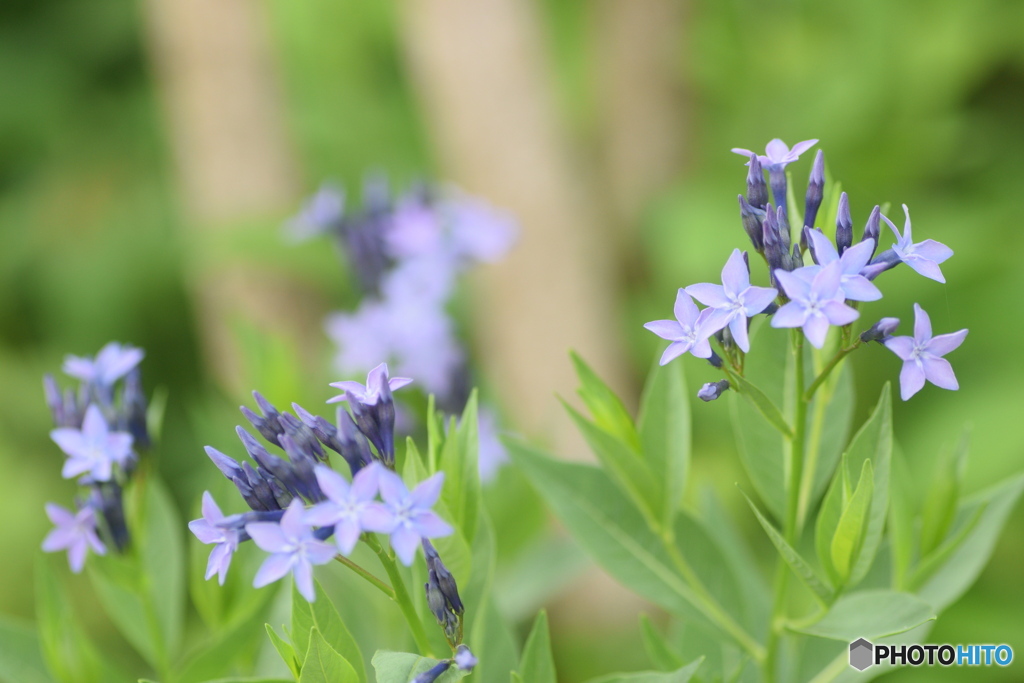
point(777, 153)
point(113, 362)
point(733, 301)
point(346, 504)
point(75, 532)
point(854, 286)
point(922, 356)
point(685, 332)
point(923, 257)
point(93, 448)
point(815, 302)
point(407, 515)
point(293, 548)
point(208, 530)
point(369, 394)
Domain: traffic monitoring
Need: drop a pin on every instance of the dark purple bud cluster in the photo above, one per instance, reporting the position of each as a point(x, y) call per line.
point(712, 390)
point(443, 595)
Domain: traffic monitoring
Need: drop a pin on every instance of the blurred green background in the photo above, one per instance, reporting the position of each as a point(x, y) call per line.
point(917, 102)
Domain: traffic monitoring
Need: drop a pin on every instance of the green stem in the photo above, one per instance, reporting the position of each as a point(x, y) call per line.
point(402, 597)
point(791, 528)
point(827, 370)
point(383, 587)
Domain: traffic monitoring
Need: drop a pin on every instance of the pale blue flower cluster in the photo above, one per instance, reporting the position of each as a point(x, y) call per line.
point(408, 252)
point(98, 427)
point(818, 284)
point(298, 504)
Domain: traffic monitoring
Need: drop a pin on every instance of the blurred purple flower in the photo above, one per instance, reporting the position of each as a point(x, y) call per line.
point(371, 393)
point(208, 530)
point(492, 454)
point(777, 153)
point(854, 286)
point(346, 505)
point(293, 548)
point(480, 232)
point(414, 229)
point(815, 303)
point(407, 516)
point(922, 356)
point(75, 532)
point(93, 449)
point(686, 332)
point(923, 257)
point(733, 301)
point(318, 214)
point(112, 363)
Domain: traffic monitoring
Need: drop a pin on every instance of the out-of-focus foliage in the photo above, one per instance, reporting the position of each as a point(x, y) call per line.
point(917, 102)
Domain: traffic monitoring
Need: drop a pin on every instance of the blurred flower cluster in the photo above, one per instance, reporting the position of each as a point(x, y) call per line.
point(99, 427)
point(407, 252)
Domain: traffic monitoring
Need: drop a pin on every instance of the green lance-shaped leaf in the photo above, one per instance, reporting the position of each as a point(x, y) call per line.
point(760, 445)
point(849, 536)
point(610, 528)
point(625, 465)
point(323, 616)
point(796, 562)
point(458, 461)
point(323, 664)
point(949, 581)
point(828, 520)
point(402, 667)
point(870, 614)
point(284, 649)
point(680, 675)
point(605, 407)
point(538, 663)
point(873, 442)
point(940, 503)
point(21, 659)
point(664, 427)
point(658, 650)
point(764, 405)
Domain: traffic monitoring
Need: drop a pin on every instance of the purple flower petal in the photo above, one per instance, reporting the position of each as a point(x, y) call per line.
point(796, 287)
point(738, 327)
point(429, 525)
point(939, 372)
point(791, 314)
point(824, 252)
point(735, 277)
point(392, 488)
point(901, 346)
point(684, 309)
point(273, 568)
point(303, 573)
point(674, 350)
point(206, 532)
point(756, 299)
point(219, 562)
point(366, 483)
point(332, 484)
point(427, 491)
point(859, 288)
point(378, 518)
point(323, 514)
point(405, 541)
point(346, 535)
point(666, 329)
point(922, 325)
point(777, 150)
point(816, 329)
point(911, 379)
point(839, 313)
point(933, 251)
point(944, 343)
point(269, 537)
point(708, 294)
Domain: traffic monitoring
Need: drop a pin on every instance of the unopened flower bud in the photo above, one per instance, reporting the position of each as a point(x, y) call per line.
point(881, 263)
point(881, 330)
point(434, 673)
point(753, 219)
point(777, 178)
point(873, 230)
point(844, 225)
point(815, 192)
point(712, 390)
point(715, 360)
point(757, 191)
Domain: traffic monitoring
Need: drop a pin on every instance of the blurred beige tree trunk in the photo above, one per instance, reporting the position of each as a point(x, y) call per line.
point(216, 76)
point(642, 108)
point(483, 81)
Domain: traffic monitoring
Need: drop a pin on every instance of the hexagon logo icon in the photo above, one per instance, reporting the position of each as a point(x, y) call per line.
point(861, 654)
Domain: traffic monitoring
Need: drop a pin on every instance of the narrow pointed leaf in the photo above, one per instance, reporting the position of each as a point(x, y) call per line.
point(538, 664)
point(798, 564)
point(664, 426)
point(849, 535)
point(765, 406)
point(871, 614)
point(658, 651)
point(873, 442)
point(605, 407)
point(323, 664)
